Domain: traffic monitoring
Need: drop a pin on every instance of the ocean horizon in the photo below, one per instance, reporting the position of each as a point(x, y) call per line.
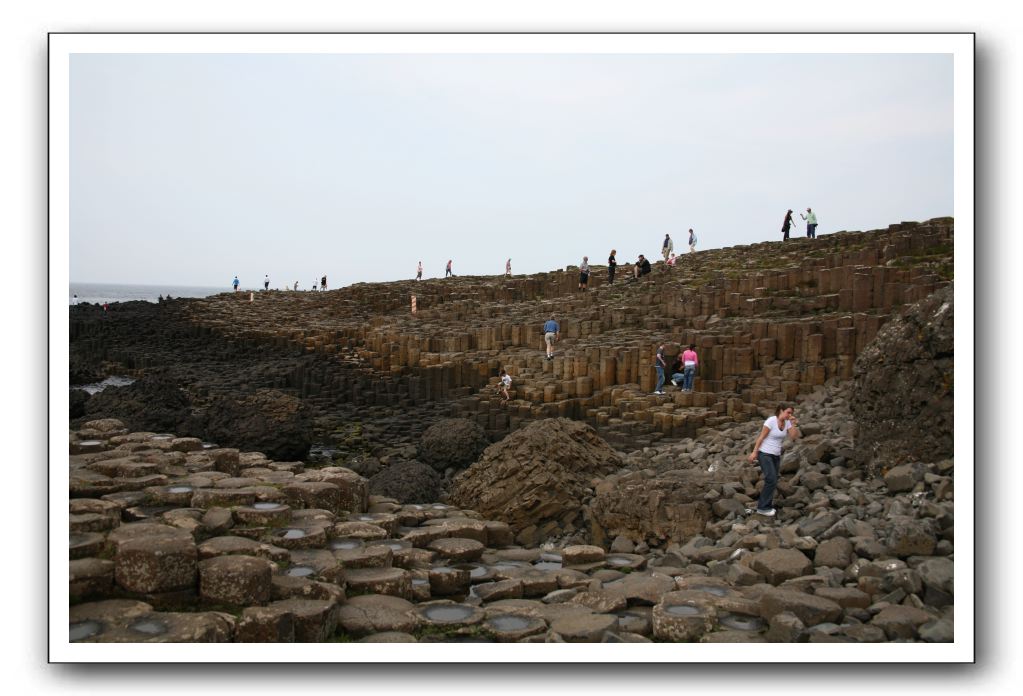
point(98, 293)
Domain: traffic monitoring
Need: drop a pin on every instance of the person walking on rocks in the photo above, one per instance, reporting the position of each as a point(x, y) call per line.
point(767, 453)
point(811, 223)
point(612, 264)
point(786, 224)
point(447, 270)
point(235, 283)
point(266, 282)
point(660, 366)
point(506, 382)
point(667, 247)
point(584, 273)
point(323, 283)
point(507, 268)
point(551, 332)
point(690, 362)
point(692, 241)
point(296, 286)
point(419, 271)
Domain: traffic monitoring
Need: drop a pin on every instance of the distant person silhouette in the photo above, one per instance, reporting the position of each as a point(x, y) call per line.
point(235, 283)
point(447, 270)
point(612, 264)
point(419, 271)
point(786, 225)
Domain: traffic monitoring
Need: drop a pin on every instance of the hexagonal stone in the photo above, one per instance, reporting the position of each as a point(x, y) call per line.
point(265, 625)
point(295, 537)
point(810, 609)
point(845, 597)
point(234, 545)
point(154, 564)
point(510, 628)
point(582, 554)
point(83, 545)
point(289, 587)
point(901, 622)
point(834, 553)
point(680, 617)
point(239, 580)
point(315, 620)
point(584, 628)
point(911, 537)
point(779, 565)
point(500, 589)
point(314, 494)
point(230, 497)
point(263, 514)
point(457, 550)
point(368, 614)
point(358, 530)
point(90, 577)
point(123, 621)
point(642, 588)
point(601, 601)
point(388, 581)
point(446, 580)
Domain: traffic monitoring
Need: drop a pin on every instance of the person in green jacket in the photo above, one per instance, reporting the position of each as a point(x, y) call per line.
point(811, 223)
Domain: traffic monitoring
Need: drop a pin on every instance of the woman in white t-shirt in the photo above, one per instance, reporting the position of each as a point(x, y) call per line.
point(767, 452)
point(505, 384)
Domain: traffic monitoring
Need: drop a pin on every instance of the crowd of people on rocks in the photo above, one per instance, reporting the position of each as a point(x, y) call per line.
point(639, 269)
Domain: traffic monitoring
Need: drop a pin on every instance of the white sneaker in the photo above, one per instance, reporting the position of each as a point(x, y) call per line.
point(769, 512)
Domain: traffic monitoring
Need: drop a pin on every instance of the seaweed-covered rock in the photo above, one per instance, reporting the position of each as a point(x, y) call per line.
point(453, 442)
point(407, 482)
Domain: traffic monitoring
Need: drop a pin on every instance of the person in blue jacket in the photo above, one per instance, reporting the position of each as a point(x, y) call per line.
point(551, 331)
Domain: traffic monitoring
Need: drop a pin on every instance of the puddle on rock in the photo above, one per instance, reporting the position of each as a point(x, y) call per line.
point(509, 623)
point(84, 629)
point(293, 534)
point(209, 445)
point(179, 489)
point(618, 561)
point(451, 613)
point(710, 589)
point(683, 610)
point(89, 443)
point(420, 581)
point(151, 627)
point(345, 544)
point(547, 565)
point(267, 506)
point(301, 571)
point(740, 622)
point(162, 436)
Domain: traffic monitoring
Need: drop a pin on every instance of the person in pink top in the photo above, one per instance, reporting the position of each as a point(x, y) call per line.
point(690, 362)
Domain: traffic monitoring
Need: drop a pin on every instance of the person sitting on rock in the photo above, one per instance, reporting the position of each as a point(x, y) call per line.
point(677, 375)
point(642, 267)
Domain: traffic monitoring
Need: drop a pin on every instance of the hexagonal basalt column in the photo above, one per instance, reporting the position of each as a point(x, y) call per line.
point(238, 580)
point(156, 564)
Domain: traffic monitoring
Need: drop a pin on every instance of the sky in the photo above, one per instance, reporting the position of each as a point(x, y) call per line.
point(189, 169)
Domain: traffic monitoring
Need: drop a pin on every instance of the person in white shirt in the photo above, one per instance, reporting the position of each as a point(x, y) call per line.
point(811, 223)
point(506, 381)
point(767, 453)
point(692, 240)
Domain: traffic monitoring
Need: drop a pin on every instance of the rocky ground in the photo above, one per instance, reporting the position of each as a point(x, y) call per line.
point(547, 534)
point(172, 539)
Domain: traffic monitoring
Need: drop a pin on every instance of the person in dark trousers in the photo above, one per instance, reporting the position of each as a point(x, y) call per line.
point(266, 282)
point(612, 264)
point(660, 366)
point(642, 266)
point(447, 271)
point(786, 225)
point(811, 223)
point(584, 273)
point(767, 453)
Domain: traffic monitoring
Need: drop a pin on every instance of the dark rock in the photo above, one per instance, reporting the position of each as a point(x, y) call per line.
point(407, 482)
point(453, 442)
point(904, 391)
point(267, 421)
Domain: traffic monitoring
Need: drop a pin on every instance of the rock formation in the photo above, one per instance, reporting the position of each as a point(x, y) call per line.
point(904, 379)
point(537, 478)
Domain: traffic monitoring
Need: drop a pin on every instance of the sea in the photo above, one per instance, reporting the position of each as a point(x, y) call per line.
point(98, 293)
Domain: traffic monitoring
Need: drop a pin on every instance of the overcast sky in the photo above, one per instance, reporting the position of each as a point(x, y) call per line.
point(190, 169)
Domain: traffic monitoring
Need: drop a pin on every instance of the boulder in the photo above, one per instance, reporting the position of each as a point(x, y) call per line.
point(536, 476)
point(779, 565)
point(452, 442)
point(407, 482)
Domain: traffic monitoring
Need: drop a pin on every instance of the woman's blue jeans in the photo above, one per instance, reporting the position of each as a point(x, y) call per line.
point(769, 466)
point(690, 373)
